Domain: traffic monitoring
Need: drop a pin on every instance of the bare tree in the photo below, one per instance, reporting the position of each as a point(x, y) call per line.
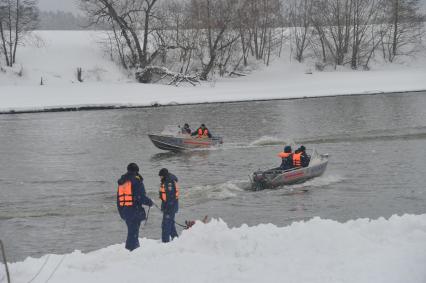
point(17, 17)
point(126, 18)
point(405, 28)
point(366, 27)
point(331, 19)
point(242, 24)
point(213, 18)
point(300, 19)
point(180, 33)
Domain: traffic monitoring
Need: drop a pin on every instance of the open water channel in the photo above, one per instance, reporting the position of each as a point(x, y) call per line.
point(59, 170)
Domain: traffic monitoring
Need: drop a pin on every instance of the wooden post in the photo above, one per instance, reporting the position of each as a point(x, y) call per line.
point(79, 74)
point(5, 261)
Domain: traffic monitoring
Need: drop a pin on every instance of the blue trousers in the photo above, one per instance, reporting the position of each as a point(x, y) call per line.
point(133, 226)
point(168, 228)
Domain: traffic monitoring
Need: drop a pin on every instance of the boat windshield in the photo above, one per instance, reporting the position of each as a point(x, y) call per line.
point(315, 157)
point(171, 130)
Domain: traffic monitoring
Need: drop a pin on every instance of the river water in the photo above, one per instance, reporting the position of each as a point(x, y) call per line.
point(59, 170)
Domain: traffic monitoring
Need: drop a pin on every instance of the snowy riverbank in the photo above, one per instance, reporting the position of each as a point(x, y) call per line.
point(106, 85)
point(382, 250)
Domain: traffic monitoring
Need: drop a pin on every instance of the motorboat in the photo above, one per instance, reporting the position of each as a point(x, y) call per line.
point(173, 140)
point(183, 142)
point(275, 178)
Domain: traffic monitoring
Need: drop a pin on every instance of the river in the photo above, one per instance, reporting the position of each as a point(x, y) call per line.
point(59, 170)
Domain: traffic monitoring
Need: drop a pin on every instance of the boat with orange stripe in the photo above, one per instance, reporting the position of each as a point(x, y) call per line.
point(274, 178)
point(183, 142)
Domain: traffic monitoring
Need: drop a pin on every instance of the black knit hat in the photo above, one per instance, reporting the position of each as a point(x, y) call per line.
point(133, 168)
point(163, 172)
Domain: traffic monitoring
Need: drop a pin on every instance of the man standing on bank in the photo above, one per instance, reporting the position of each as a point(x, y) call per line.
point(169, 195)
point(131, 196)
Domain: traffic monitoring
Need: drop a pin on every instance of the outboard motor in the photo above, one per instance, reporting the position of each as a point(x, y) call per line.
point(259, 181)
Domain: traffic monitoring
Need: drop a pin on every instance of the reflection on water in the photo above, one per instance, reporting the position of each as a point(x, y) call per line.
point(59, 170)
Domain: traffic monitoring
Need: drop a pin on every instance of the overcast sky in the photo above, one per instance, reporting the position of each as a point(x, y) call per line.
point(71, 5)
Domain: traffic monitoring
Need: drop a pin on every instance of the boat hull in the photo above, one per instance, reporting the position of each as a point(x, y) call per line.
point(180, 143)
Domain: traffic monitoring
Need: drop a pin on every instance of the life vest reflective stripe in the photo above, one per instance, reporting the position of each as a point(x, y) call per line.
point(125, 195)
point(297, 159)
point(202, 133)
point(284, 154)
point(163, 193)
point(177, 190)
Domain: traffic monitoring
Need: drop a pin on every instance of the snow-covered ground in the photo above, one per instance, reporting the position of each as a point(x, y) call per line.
point(58, 54)
point(383, 250)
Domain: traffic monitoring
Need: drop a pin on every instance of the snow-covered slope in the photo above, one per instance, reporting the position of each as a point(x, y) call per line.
point(105, 84)
point(55, 57)
point(388, 251)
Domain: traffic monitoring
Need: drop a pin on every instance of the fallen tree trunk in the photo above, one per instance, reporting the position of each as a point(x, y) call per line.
point(155, 74)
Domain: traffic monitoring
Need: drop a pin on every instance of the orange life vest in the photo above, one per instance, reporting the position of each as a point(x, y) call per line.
point(163, 193)
point(297, 159)
point(202, 133)
point(125, 194)
point(284, 154)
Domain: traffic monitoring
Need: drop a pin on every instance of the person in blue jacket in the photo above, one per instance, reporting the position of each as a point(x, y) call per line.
point(287, 158)
point(169, 195)
point(131, 196)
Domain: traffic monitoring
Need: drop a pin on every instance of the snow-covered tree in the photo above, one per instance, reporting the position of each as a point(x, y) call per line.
point(17, 17)
point(405, 28)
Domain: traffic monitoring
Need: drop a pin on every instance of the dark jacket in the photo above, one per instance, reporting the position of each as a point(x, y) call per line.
point(186, 130)
point(171, 205)
point(139, 198)
point(305, 159)
point(287, 162)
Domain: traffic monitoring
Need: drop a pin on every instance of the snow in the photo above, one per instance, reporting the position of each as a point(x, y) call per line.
point(56, 55)
point(363, 250)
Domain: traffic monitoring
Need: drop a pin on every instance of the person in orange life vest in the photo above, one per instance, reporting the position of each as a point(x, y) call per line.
point(305, 159)
point(287, 158)
point(130, 198)
point(169, 195)
point(202, 132)
point(297, 159)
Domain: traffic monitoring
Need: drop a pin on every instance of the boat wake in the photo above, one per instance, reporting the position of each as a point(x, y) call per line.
point(269, 140)
point(260, 142)
point(319, 182)
point(221, 191)
point(414, 133)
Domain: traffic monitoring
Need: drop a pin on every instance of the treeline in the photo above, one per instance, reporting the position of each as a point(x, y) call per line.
point(203, 37)
point(195, 39)
point(61, 20)
point(352, 31)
